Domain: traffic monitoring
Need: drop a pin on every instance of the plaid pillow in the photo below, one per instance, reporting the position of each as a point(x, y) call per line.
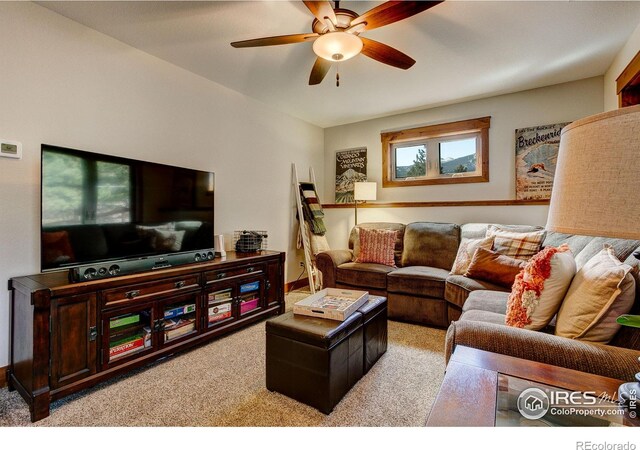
point(515, 245)
point(376, 246)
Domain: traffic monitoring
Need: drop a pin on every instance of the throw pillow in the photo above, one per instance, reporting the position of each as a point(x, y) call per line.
point(149, 232)
point(539, 289)
point(170, 241)
point(493, 267)
point(376, 246)
point(602, 290)
point(57, 247)
point(514, 244)
point(465, 253)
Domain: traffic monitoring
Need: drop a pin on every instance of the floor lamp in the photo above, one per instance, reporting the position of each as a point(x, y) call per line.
point(363, 191)
point(595, 185)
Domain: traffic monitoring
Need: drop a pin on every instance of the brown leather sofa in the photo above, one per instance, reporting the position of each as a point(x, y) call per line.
point(423, 291)
point(421, 288)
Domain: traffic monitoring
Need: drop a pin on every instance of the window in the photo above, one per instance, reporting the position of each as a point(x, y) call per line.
point(83, 191)
point(456, 152)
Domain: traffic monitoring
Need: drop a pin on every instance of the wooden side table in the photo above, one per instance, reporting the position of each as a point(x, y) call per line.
point(474, 391)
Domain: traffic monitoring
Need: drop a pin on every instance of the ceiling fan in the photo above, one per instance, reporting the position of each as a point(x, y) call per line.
point(336, 35)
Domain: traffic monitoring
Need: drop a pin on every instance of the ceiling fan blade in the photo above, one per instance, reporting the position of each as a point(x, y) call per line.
point(321, 10)
point(390, 12)
point(276, 40)
point(385, 54)
point(319, 71)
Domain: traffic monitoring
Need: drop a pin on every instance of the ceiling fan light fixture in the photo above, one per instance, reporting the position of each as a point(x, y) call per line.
point(337, 46)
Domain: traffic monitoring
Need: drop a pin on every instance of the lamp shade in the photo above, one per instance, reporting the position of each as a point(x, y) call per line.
point(364, 190)
point(337, 46)
point(595, 189)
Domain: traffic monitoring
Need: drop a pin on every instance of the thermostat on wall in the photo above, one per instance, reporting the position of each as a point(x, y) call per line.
point(10, 149)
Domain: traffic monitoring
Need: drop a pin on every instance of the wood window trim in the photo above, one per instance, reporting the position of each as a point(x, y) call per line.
point(628, 83)
point(479, 125)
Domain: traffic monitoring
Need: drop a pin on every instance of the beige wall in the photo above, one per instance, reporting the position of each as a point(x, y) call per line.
point(560, 103)
point(622, 59)
point(62, 83)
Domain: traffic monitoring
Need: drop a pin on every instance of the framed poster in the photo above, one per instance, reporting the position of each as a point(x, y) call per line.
point(536, 157)
point(351, 166)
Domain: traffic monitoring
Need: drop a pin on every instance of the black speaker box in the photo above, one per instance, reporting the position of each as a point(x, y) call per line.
point(108, 269)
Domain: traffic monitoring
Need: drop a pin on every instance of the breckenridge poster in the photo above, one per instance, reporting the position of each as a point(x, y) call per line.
point(536, 157)
point(351, 166)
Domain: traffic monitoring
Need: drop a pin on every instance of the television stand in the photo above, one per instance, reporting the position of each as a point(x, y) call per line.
point(69, 336)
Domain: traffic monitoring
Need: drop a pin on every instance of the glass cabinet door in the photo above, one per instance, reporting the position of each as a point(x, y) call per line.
point(250, 296)
point(127, 334)
point(178, 318)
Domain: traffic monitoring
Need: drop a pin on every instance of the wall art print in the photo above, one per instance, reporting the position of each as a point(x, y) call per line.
point(351, 166)
point(536, 158)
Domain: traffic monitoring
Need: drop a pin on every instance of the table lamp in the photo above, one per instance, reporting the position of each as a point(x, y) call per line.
point(363, 191)
point(595, 185)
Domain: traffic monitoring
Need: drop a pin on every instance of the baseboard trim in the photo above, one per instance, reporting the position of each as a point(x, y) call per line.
point(4, 372)
point(288, 287)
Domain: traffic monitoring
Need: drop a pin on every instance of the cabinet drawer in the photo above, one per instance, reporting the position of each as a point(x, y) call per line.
point(143, 291)
point(223, 274)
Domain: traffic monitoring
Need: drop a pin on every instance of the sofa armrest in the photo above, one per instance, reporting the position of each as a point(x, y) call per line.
point(605, 360)
point(328, 262)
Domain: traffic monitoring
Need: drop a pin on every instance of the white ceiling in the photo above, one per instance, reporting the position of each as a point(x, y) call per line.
point(463, 50)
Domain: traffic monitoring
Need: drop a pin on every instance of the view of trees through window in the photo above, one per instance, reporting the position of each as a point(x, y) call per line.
point(458, 156)
point(455, 156)
point(77, 191)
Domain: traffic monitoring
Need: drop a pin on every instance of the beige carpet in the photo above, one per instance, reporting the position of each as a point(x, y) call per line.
point(222, 384)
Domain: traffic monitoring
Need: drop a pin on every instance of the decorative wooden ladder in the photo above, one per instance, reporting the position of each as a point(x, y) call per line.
point(315, 277)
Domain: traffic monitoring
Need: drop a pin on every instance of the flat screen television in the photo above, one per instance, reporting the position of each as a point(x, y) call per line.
point(98, 208)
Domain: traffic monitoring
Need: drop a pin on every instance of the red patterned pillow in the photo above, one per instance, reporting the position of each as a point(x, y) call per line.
point(376, 246)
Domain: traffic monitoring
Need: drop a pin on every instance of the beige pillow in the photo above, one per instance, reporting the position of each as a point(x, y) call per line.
point(465, 253)
point(600, 292)
point(538, 291)
point(514, 244)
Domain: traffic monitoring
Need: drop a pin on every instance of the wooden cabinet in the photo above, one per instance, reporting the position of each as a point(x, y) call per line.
point(69, 336)
point(74, 337)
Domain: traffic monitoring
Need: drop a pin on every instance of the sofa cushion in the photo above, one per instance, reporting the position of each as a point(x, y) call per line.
point(418, 280)
point(376, 246)
point(465, 252)
point(479, 230)
point(600, 292)
point(458, 287)
point(487, 265)
point(364, 275)
point(514, 244)
point(492, 301)
point(430, 244)
point(354, 243)
point(540, 288)
point(479, 315)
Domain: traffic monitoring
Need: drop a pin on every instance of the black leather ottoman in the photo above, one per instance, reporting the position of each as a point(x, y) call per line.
point(315, 361)
point(374, 329)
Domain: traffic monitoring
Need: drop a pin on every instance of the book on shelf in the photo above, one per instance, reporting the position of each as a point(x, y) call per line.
point(249, 304)
point(220, 295)
point(179, 311)
point(179, 328)
point(126, 346)
point(248, 287)
point(219, 312)
point(249, 297)
point(121, 333)
point(126, 319)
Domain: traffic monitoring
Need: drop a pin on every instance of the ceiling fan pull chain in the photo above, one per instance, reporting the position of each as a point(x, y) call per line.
point(337, 75)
